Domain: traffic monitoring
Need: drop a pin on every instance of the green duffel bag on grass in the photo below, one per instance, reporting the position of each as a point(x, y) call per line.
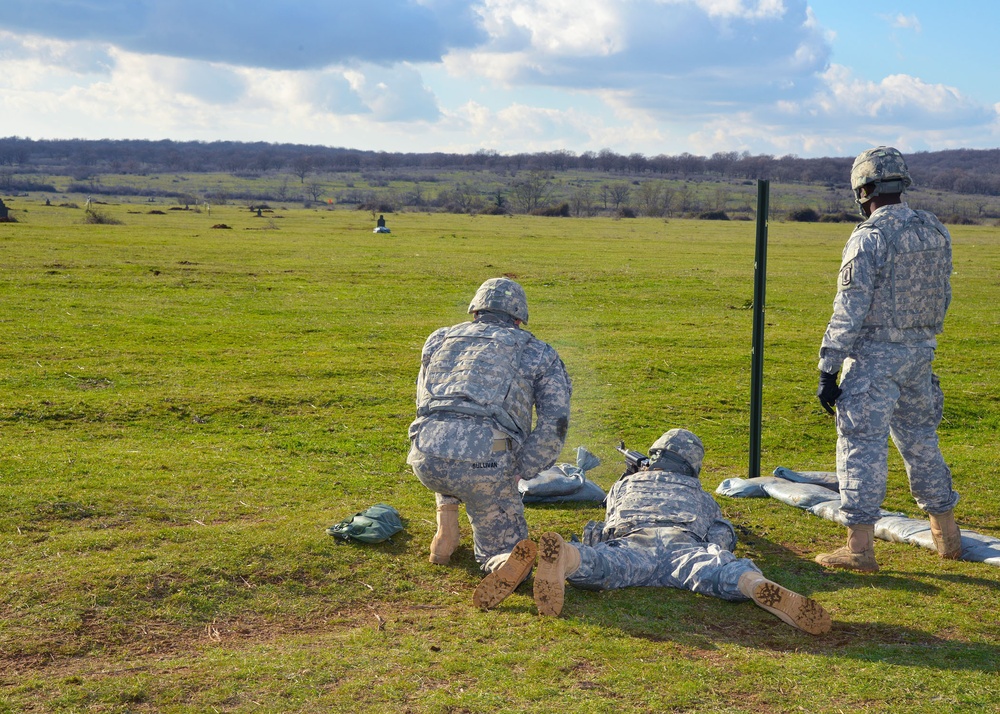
point(373, 525)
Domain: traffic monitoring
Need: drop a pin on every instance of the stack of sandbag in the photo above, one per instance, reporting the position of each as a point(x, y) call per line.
point(563, 482)
point(818, 493)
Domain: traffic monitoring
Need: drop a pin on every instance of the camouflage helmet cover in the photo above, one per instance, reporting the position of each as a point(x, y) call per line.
point(501, 295)
point(883, 166)
point(683, 443)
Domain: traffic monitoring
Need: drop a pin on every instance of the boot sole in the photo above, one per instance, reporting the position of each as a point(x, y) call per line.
point(796, 610)
point(550, 585)
point(496, 586)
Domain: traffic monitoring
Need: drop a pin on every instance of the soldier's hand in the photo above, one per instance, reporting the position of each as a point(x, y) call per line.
point(828, 391)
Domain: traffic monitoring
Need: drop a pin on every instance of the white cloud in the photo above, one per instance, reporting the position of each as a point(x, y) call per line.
point(896, 99)
point(661, 55)
point(204, 81)
point(848, 112)
point(740, 8)
point(527, 125)
point(557, 28)
point(397, 94)
point(72, 57)
point(904, 22)
point(537, 129)
point(329, 91)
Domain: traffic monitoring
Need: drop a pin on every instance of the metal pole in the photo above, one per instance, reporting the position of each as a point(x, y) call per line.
point(757, 355)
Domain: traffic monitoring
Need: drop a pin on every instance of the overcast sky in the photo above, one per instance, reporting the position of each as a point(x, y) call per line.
point(820, 78)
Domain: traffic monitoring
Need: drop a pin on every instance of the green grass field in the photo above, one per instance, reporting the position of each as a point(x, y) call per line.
point(184, 409)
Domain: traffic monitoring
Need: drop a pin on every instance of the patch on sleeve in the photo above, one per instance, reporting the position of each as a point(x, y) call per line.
point(846, 276)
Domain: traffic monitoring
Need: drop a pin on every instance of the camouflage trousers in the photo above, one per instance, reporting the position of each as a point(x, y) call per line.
point(661, 557)
point(890, 390)
point(489, 491)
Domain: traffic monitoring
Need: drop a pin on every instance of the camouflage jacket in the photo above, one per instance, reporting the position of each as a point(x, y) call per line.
point(660, 499)
point(546, 385)
point(893, 285)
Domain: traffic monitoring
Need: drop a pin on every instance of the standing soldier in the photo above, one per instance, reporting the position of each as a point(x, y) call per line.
point(892, 294)
point(473, 439)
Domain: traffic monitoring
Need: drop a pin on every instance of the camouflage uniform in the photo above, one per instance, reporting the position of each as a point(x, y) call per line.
point(662, 530)
point(473, 439)
point(893, 293)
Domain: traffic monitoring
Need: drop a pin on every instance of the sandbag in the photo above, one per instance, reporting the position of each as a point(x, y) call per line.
point(557, 480)
point(820, 478)
point(801, 495)
point(816, 492)
point(563, 482)
point(744, 487)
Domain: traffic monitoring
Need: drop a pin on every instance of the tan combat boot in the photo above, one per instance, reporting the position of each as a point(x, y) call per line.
point(447, 538)
point(858, 554)
point(947, 536)
point(556, 560)
point(496, 586)
point(790, 607)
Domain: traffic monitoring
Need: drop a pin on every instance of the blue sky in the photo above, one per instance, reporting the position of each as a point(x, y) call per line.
point(820, 78)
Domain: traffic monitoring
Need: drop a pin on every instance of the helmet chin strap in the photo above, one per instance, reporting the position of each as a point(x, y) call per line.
point(878, 189)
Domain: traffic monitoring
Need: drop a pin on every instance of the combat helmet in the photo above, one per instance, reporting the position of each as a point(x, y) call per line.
point(501, 295)
point(683, 443)
point(884, 167)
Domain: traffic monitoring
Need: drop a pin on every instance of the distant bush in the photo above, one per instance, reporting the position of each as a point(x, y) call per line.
point(11, 184)
point(624, 212)
point(93, 216)
point(377, 205)
point(956, 220)
point(714, 216)
point(123, 190)
point(560, 211)
point(804, 215)
point(842, 217)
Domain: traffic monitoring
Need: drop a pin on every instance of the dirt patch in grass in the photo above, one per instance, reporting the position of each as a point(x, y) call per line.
point(147, 643)
point(89, 383)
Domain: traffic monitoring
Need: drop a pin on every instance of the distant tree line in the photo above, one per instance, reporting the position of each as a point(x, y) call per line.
point(968, 171)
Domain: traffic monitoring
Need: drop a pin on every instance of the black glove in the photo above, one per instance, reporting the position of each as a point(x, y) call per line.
point(828, 390)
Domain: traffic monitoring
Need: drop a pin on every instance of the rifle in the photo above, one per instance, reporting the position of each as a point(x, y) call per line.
point(634, 460)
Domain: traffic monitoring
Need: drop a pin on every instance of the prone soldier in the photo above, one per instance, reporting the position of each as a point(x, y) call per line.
point(661, 530)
